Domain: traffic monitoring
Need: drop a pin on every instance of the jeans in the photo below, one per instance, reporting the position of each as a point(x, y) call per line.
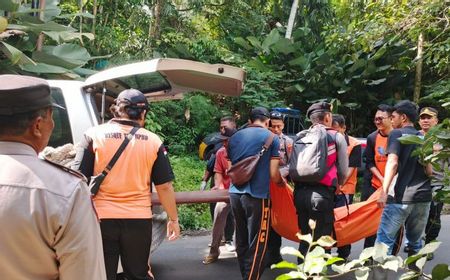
point(414, 216)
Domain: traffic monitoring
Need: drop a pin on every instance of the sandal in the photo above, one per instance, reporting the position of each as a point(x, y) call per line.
point(210, 259)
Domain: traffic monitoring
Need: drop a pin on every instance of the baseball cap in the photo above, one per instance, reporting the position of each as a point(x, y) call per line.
point(259, 111)
point(318, 107)
point(22, 94)
point(134, 98)
point(428, 111)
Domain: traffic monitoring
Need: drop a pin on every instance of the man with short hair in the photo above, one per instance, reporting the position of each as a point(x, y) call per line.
point(376, 157)
point(277, 126)
point(250, 201)
point(428, 118)
point(316, 200)
point(222, 210)
point(49, 227)
point(405, 199)
point(346, 191)
point(123, 201)
point(229, 123)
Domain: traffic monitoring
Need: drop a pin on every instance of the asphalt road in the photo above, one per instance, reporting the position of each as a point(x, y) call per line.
point(182, 259)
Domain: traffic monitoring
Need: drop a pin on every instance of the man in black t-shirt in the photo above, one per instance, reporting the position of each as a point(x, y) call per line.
point(406, 193)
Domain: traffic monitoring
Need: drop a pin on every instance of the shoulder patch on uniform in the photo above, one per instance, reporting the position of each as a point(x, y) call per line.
point(68, 170)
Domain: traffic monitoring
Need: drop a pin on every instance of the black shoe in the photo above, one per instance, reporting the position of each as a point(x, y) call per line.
point(406, 249)
point(274, 260)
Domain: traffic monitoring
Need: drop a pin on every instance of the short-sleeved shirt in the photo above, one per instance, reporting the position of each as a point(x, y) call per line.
point(125, 192)
point(49, 227)
point(248, 142)
point(221, 166)
point(412, 185)
point(376, 156)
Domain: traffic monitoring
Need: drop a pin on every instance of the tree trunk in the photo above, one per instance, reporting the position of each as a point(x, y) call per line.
point(157, 15)
point(94, 20)
point(418, 80)
point(291, 21)
point(40, 39)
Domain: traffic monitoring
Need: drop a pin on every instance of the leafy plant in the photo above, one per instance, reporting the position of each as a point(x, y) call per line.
point(188, 172)
point(318, 264)
point(33, 43)
point(434, 148)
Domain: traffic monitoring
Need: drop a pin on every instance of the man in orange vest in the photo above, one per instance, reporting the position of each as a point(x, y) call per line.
point(346, 191)
point(376, 157)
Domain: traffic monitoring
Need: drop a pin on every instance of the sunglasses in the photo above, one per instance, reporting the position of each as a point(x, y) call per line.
point(276, 115)
point(380, 119)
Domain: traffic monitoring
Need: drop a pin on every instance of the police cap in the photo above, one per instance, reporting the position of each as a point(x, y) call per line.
point(22, 94)
point(318, 107)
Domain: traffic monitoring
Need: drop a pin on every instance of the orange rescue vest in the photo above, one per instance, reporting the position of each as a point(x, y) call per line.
point(380, 158)
point(350, 185)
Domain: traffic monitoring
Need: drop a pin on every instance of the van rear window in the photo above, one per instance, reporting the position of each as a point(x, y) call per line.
point(62, 133)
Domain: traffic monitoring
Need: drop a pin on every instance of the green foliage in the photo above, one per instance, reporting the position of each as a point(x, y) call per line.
point(188, 172)
point(316, 262)
point(61, 55)
point(434, 148)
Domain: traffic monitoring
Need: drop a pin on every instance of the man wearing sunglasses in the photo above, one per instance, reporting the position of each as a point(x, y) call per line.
point(376, 156)
point(277, 126)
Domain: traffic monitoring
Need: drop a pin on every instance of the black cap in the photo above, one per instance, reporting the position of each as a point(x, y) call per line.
point(22, 94)
point(318, 107)
point(259, 112)
point(228, 133)
point(134, 98)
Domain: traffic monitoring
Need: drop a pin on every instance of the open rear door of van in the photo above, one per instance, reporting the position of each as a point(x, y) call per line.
point(168, 78)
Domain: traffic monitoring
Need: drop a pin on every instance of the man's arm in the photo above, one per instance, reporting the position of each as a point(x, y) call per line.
point(275, 175)
point(166, 196)
point(78, 243)
point(389, 173)
point(85, 157)
point(162, 177)
point(342, 158)
point(218, 181)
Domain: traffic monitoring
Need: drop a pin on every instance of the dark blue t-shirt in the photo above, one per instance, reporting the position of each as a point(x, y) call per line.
point(248, 142)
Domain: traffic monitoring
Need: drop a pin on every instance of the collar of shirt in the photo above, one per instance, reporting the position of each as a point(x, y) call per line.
point(125, 122)
point(16, 148)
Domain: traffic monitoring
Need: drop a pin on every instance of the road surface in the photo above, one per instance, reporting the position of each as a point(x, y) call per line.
point(182, 259)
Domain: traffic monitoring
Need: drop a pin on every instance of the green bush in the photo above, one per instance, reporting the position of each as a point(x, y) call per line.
point(188, 173)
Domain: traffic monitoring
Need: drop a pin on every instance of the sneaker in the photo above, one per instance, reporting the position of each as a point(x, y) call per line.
point(221, 243)
point(229, 246)
point(210, 259)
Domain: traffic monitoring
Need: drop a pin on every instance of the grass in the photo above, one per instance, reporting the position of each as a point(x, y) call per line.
point(188, 171)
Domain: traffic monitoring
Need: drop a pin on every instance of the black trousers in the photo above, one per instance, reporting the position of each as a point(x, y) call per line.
point(434, 221)
point(366, 191)
point(343, 251)
point(316, 203)
point(252, 218)
point(129, 239)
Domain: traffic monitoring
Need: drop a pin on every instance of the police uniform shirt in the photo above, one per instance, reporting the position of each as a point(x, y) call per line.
point(49, 227)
